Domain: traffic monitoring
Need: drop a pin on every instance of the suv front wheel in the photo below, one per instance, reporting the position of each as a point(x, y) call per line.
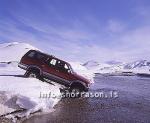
point(76, 90)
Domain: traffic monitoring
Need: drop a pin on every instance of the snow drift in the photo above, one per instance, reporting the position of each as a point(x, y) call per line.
point(26, 93)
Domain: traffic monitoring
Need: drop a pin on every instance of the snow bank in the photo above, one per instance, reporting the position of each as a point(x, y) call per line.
point(27, 92)
point(10, 68)
point(4, 109)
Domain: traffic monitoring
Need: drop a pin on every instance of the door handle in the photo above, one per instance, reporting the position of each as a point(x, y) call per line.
point(43, 65)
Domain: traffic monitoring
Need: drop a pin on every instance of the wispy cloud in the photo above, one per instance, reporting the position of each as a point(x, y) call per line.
point(83, 38)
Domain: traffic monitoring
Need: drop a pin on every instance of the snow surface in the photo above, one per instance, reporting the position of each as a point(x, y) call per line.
point(13, 51)
point(10, 68)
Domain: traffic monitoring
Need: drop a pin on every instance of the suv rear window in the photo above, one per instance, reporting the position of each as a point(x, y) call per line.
point(37, 56)
point(32, 54)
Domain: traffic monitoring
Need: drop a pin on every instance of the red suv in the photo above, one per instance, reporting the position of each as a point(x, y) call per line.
point(41, 65)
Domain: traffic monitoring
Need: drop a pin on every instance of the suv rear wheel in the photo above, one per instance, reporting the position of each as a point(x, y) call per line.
point(32, 74)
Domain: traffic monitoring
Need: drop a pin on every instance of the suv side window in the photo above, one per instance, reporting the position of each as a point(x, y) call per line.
point(67, 69)
point(62, 66)
point(52, 62)
point(59, 65)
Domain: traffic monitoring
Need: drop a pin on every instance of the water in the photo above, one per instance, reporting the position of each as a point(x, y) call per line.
point(131, 106)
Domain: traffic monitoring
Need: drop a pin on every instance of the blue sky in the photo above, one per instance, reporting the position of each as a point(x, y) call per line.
point(79, 30)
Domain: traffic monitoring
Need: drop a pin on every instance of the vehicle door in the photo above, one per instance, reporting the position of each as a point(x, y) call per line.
point(63, 70)
point(49, 68)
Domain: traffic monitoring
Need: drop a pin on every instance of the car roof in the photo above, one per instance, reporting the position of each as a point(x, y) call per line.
point(52, 56)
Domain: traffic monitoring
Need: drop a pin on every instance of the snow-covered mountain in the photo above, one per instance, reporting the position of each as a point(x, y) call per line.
point(106, 67)
point(91, 64)
point(140, 66)
point(95, 66)
point(13, 51)
point(137, 64)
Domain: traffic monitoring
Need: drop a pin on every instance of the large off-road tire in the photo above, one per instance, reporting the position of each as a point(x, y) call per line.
point(32, 74)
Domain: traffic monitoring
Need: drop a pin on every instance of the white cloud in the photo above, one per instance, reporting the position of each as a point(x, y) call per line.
point(72, 43)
